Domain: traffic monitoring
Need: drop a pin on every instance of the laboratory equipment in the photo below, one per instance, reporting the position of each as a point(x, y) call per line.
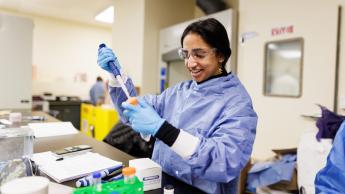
point(132, 100)
point(97, 121)
point(168, 189)
point(117, 73)
point(16, 143)
point(15, 117)
point(88, 180)
point(147, 171)
point(26, 185)
point(16, 147)
point(97, 181)
point(115, 186)
point(79, 149)
point(115, 178)
point(128, 175)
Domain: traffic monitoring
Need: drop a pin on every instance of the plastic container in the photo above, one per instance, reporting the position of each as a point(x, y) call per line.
point(98, 121)
point(128, 175)
point(26, 185)
point(16, 147)
point(16, 143)
point(168, 189)
point(15, 117)
point(115, 187)
point(97, 181)
point(132, 101)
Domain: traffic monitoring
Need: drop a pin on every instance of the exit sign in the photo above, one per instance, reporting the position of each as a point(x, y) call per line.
point(282, 30)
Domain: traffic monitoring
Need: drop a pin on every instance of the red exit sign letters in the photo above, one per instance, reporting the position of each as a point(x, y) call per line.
point(282, 30)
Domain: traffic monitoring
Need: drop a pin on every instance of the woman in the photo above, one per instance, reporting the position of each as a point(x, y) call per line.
point(331, 178)
point(204, 127)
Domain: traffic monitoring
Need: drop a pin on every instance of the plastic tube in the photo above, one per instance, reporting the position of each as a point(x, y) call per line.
point(97, 181)
point(128, 175)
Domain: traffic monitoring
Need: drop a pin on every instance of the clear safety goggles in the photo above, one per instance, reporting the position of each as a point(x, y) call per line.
point(197, 53)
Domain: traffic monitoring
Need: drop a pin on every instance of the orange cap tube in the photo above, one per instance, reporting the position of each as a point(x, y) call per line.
point(127, 171)
point(132, 101)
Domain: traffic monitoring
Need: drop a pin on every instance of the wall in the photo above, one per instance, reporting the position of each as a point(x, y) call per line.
point(65, 55)
point(341, 87)
point(127, 35)
point(280, 122)
point(136, 33)
point(233, 5)
point(160, 14)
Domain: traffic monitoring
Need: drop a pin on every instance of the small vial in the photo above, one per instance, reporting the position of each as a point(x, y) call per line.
point(168, 189)
point(97, 181)
point(128, 175)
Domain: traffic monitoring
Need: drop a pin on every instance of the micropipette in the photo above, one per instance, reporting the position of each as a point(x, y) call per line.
point(116, 73)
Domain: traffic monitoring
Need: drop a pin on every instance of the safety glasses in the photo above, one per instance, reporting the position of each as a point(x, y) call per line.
point(197, 53)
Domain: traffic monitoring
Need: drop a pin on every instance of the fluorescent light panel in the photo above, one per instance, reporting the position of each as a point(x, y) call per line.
point(106, 15)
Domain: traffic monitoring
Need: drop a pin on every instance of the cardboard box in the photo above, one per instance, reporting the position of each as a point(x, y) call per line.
point(149, 172)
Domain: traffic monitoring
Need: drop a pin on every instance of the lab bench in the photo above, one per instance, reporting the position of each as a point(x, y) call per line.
point(60, 142)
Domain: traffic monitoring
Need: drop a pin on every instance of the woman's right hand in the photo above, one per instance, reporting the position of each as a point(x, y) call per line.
point(106, 55)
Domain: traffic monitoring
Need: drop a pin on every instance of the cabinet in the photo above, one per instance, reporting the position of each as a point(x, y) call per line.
point(97, 121)
point(67, 111)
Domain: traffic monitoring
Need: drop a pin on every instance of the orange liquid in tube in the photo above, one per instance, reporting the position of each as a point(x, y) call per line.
point(132, 101)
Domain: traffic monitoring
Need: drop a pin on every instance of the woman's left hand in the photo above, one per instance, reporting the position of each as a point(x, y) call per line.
point(143, 117)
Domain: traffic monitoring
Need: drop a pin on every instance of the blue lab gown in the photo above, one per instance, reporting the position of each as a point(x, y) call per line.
point(331, 179)
point(267, 173)
point(220, 113)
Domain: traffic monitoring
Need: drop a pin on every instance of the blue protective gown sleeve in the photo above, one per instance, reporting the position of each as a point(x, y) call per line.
point(268, 173)
point(331, 179)
point(118, 96)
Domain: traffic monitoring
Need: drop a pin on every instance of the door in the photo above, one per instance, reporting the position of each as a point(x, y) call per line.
point(15, 62)
point(280, 122)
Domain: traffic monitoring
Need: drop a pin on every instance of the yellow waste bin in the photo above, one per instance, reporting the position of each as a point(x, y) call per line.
point(97, 121)
point(87, 119)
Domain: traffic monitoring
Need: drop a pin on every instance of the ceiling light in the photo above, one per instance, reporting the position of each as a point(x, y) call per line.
point(106, 15)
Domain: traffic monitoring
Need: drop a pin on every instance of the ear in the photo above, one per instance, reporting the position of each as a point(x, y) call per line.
point(220, 58)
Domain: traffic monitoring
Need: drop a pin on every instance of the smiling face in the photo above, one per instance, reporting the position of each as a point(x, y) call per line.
point(201, 60)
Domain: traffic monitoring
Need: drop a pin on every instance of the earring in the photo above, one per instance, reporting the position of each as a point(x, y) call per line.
point(219, 70)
